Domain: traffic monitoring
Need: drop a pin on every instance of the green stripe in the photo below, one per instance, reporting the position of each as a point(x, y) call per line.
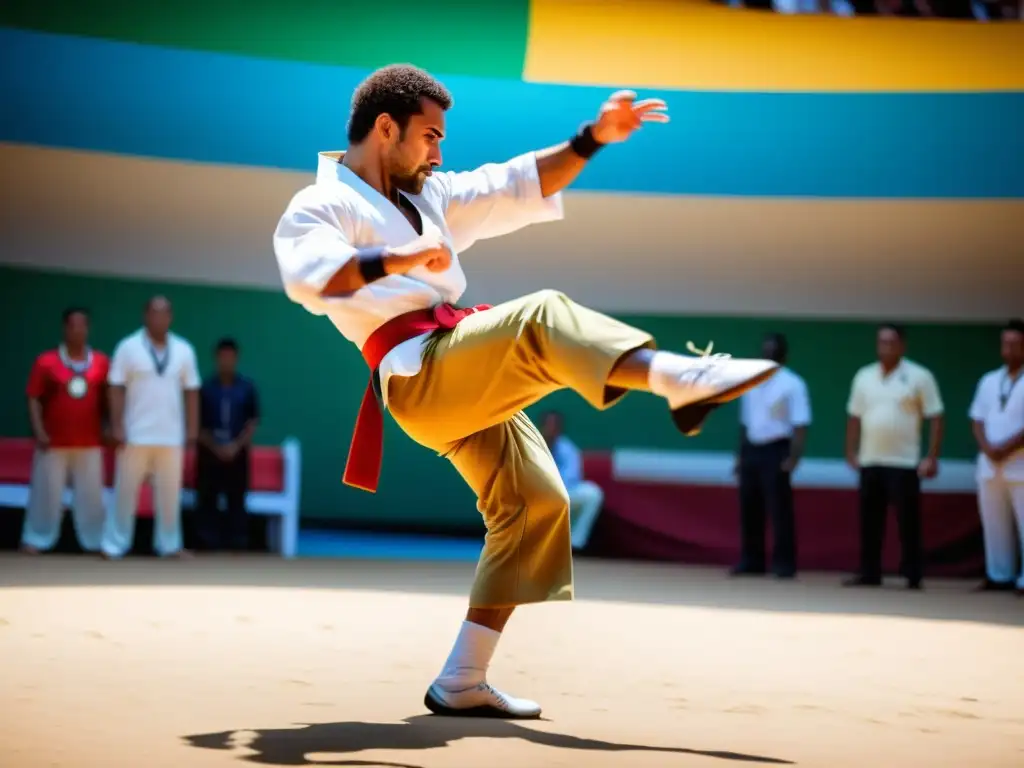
point(444, 36)
point(311, 380)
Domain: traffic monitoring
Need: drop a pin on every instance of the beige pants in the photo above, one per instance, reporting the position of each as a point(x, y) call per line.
point(1001, 505)
point(50, 472)
point(467, 404)
point(164, 464)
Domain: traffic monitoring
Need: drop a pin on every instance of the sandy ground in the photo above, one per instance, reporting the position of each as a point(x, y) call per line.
point(229, 661)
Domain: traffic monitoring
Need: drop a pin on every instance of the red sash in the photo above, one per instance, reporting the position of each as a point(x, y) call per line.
point(362, 470)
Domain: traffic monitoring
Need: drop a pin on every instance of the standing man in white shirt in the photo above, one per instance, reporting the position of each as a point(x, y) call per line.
point(774, 418)
point(889, 401)
point(585, 496)
point(374, 246)
point(154, 412)
point(997, 419)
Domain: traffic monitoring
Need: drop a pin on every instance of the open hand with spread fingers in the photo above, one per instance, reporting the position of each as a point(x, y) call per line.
point(622, 114)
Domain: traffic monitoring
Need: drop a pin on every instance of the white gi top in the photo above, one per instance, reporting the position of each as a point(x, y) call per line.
point(326, 223)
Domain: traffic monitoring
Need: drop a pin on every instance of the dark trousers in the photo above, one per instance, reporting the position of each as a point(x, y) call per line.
point(881, 487)
point(230, 479)
point(765, 491)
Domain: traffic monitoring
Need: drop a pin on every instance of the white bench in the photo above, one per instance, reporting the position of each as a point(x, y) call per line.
point(280, 506)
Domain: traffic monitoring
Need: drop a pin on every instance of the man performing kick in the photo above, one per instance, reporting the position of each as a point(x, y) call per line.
point(374, 245)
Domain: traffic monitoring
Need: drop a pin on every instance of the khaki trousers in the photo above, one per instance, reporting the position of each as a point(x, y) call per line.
point(467, 404)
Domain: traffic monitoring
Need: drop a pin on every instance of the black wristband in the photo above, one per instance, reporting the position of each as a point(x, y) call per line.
point(371, 265)
point(584, 144)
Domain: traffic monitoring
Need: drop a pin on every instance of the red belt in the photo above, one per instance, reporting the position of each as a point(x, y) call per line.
point(362, 470)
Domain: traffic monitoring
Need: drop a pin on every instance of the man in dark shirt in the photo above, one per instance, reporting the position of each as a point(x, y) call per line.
point(229, 413)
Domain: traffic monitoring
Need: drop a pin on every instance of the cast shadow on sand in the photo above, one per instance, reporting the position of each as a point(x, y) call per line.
point(290, 746)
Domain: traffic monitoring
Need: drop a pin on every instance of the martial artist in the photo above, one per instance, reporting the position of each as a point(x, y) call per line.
point(374, 246)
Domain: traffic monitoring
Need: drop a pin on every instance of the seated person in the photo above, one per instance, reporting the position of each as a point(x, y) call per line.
point(585, 497)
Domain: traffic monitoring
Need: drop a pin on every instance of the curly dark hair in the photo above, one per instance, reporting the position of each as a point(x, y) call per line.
point(396, 90)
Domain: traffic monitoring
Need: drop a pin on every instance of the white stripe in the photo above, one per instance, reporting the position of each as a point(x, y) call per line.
point(640, 465)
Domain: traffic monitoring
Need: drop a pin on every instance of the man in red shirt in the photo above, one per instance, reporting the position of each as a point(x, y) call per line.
point(66, 396)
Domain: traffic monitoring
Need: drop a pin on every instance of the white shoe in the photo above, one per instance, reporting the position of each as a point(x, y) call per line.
point(711, 380)
point(480, 700)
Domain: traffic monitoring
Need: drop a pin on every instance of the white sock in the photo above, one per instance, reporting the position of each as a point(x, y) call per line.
point(665, 372)
point(467, 664)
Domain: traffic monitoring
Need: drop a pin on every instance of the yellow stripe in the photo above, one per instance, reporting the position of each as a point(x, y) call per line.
point(695, 45)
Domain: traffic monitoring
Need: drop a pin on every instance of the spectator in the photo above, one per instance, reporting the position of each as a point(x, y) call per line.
point(66, 392)
point(774, 418)
point(888, 401)
point(229, 414)
point(151, 422)
point(997, 418)
point(585, 496)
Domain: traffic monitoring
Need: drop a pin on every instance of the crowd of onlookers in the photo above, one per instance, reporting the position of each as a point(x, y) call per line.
point(148, 403)
point(889, 402)
point(981, 10)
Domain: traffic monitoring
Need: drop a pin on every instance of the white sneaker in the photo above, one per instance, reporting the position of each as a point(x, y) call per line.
point(713, 379)
point(481, 700)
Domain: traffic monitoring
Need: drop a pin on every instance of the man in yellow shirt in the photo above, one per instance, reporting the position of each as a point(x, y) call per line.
point(889, 400)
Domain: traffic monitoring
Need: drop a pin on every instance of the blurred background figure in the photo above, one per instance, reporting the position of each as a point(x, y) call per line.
point(66, 405)
point(889, 400)
point(154, 412)
point(774, 418)
point(229, 415)
point(585, 497)
point(997, 419)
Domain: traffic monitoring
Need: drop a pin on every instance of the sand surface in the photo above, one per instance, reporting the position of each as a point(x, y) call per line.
point(231, 661)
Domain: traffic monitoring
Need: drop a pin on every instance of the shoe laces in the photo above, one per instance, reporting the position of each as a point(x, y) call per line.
point(705, 354)
point(488, 688)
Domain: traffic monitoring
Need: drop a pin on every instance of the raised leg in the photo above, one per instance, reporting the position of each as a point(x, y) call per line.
point(509, 357)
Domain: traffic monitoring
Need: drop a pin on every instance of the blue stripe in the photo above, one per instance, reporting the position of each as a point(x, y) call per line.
point(134, 99)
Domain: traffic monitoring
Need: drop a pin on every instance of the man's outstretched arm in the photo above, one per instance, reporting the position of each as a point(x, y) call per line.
point(499, 198)
point(620, 116)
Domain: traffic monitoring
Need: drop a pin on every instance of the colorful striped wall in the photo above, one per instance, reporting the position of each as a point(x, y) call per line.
point(801, 184)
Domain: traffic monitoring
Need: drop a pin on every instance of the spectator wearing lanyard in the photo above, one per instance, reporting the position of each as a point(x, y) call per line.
point(229, 414)
point(154, 404)
point(66, 392)
point(997, 420)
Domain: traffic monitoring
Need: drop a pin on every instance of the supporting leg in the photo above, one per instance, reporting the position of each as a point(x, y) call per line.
point(526, 559)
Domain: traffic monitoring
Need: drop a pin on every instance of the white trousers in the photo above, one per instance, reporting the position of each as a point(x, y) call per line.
point(1000, 501)
point(164, 464)
point(585, 502)
point(51, 471)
